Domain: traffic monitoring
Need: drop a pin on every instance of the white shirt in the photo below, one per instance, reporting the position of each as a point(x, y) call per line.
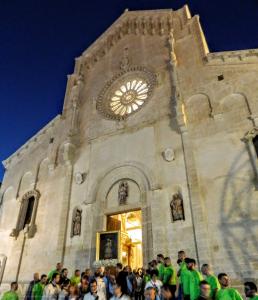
point(156, 285)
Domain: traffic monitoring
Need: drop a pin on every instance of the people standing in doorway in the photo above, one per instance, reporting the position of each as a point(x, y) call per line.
point(226, 292)
point(121, 277)
point(211, 279)
point(139, 287)
point(251, 290)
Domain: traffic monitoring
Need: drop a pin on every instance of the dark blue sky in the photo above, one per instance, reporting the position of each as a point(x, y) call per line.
point(40, 39)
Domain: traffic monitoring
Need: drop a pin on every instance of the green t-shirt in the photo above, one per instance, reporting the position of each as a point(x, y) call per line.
point(254, 298)
point(75, 279)
point(214, 284)
point(228, 294)
point(194, 284)
point(10, 295)
point(37, 291)
point(184, 278)
point(161, 269)
point(146, 278)
point(169, 275)
point(50, 275)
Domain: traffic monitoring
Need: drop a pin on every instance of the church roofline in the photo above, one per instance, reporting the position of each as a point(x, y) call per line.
point(154, 22)
point(32, 141)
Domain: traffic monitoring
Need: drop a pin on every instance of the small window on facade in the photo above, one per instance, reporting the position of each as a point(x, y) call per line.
point(51, 141)
point(29, 211)
point(220, 77)
point(255, 142)
point(27, 214)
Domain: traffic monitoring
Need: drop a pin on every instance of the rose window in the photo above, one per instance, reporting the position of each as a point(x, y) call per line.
point(126, 93)
point(129, 97)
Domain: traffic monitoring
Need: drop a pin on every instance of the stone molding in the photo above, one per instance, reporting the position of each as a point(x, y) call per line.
point(31, 228)
point(32, 142)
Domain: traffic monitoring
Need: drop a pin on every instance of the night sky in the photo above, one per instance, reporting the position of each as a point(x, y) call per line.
point(40, 39)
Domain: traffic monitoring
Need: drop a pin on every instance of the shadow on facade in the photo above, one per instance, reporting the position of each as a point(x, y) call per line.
point(238, 222)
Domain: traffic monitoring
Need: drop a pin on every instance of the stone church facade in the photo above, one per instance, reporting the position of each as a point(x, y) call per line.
point(148, 105)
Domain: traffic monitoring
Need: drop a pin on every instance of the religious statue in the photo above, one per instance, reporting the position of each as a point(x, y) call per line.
point(177, 208)
point(108, 253)
point(122, 192)
point(76, 222)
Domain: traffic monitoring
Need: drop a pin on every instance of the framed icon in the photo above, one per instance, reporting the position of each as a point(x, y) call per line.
point(108, 245)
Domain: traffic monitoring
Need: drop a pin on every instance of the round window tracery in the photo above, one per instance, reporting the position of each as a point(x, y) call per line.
point(129, 97)
point(126, 93)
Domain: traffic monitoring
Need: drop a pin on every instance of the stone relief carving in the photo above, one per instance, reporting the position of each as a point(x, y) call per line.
point(3, 259)
point(123, 192)
point(168, 154)
point(79, 177)
point(177, 208)
point(76, 222)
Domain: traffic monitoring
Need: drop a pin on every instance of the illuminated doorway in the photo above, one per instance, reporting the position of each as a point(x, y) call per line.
point(130, 225)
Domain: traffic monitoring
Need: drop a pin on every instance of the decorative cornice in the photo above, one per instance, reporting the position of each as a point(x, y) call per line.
point(31, 142)
point(248, 56)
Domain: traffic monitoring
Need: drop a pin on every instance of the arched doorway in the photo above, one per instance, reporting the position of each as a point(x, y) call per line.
point(139, 199)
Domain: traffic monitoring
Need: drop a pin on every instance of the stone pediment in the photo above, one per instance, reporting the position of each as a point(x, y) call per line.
point(146, 22)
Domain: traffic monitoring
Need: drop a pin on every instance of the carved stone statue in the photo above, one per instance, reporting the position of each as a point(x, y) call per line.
point(108, 253)
point(177, 208)
point(122, 192)
point(76, 223)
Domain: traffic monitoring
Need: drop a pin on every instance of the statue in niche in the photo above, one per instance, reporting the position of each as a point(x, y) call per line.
point(177, 208)
point(122, 192)
point(76, 222)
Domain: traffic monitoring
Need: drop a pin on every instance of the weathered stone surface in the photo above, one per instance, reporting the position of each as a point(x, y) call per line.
point(192, 111)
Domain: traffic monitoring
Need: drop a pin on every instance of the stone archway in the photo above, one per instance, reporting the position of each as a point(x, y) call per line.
point(101, 210)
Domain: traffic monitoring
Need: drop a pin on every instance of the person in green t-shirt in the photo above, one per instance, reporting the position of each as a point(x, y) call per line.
point(170, 275)
point(183, 275)
point(194, 279)
point(12, 294)
point(211, 279)
point(226, 293)
point(58, 270)
point(160, 266)
point(76, 278)
point(251, 290)
point(38, 288)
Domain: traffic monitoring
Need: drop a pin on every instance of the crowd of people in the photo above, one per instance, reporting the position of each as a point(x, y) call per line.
point(160, 281)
